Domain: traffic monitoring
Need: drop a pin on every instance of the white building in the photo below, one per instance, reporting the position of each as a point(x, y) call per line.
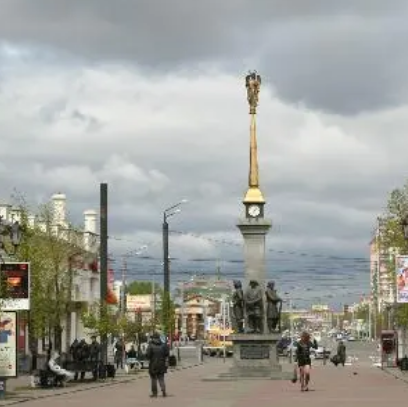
point(84, 267)
point(382, 279)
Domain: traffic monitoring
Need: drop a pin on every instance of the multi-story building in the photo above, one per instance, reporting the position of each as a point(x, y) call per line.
point(201, 298)
point(382, 281)
point(83, 265)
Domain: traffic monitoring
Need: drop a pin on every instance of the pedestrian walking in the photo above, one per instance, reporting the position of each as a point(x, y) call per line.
point(341, 353)
point(94, 356)
point(157, 354)
point(119, 353)
point(82, 355)
point(304, 360)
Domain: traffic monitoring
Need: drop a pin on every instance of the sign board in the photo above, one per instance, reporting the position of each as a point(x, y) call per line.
point(252, 351)
point(139, 302)
point(15, 278)
point(320, 308)
point(402, 278)
point(8, 344)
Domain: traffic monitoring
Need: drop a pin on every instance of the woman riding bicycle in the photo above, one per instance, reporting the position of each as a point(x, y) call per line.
point(304, 360)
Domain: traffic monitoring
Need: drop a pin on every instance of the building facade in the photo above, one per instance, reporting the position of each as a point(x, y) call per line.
point(82, 266)
point(382, 280)
point(193, 316)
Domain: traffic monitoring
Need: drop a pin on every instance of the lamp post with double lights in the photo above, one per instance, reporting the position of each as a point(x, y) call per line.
point(13, 230)
point(11, 234)
point(123, 287)
point(167, 213)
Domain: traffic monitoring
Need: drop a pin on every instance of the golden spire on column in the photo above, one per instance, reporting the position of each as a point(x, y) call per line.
point(253, 194)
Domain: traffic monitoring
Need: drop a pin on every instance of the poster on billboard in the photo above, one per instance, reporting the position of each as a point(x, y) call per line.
point(15, 282)
point(139, 302)
point(402, 278)
point(8, 344)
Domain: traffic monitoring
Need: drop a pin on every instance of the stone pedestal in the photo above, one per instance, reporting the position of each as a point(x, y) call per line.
point(255, 357)
point(254, 232)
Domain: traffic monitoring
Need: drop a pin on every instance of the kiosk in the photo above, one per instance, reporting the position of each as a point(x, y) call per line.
point(389, 348)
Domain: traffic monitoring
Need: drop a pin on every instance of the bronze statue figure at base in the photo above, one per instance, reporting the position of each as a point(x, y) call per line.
point(238, 307)
point(254, 305)
point(249, 308)
point(273, 308)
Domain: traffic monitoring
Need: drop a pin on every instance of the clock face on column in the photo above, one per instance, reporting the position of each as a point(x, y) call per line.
point(254, 211)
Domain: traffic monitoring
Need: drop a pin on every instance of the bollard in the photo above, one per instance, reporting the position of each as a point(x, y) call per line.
point(324, 356)
point(404, 363)
point(2, 388)
point(178, 353)
point(200, 353)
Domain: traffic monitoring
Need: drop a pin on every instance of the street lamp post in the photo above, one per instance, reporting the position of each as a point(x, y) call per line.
point(13, 230)
point(167, 213)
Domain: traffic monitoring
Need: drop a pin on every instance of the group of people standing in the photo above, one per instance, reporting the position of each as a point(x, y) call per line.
point(304, 360)
point(157, 354)
point(81, 352)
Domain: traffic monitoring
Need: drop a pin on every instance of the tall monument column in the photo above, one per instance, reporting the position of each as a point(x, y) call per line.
point(254, 349)
point(254, 226)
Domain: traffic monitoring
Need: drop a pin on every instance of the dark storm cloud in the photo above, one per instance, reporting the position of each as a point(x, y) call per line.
point(342, 56)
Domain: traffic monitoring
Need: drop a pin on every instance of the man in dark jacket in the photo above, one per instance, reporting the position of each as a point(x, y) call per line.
point(94, 353)
point(157, 354)
point(119, 353)
point(341, 353)
point(73, 350)
point(82, 354)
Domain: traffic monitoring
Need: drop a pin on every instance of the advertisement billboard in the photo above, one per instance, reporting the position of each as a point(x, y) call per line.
point(139, 302)
point(402, 278)
point(8, 344)
point(15, 286)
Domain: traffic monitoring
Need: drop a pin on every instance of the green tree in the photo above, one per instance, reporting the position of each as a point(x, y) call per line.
point(402, 315)
point(362, 312)
point(142, 288)
point(49, 249)
point(391, 241)
point(285, 321)
point(392, 233)
point(100, 320)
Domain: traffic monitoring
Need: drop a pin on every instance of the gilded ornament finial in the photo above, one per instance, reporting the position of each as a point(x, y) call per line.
point(253, 84)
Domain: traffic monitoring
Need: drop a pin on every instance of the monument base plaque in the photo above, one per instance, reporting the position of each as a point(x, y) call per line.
point(255, 357)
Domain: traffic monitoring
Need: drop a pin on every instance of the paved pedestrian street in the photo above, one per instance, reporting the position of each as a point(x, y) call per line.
point(335, 387)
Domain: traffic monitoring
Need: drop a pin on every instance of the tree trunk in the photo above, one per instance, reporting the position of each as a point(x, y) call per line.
point(57, 338)
point(32, 344)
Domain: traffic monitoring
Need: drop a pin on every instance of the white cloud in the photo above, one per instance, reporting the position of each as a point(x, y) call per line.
point(157, 139)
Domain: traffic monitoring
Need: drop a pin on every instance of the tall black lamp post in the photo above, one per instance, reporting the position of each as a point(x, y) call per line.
point(167, 213)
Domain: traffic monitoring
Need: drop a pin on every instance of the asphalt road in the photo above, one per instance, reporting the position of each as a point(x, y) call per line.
point(188, 354)
point(360, 351)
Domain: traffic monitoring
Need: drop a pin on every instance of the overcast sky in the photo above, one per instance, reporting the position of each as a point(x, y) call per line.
point(149, 96)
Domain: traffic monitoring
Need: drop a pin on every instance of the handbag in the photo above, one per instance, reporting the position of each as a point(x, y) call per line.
point(295, 374)
point(335, 360)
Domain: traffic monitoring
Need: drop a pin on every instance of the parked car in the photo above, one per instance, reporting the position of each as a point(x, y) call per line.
point(283, 346)
point(320, 353)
